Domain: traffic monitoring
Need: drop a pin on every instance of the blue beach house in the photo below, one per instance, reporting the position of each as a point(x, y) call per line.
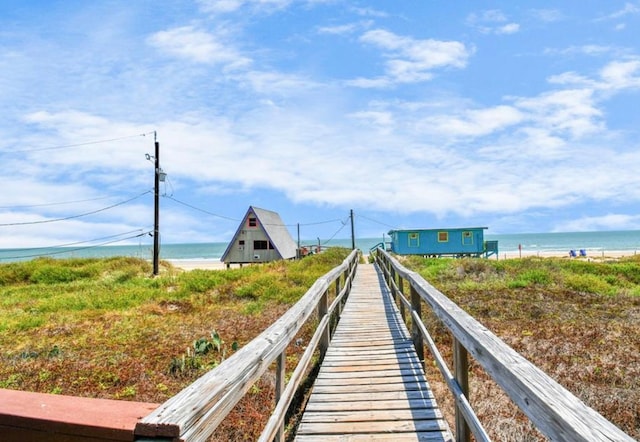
point(457, 242)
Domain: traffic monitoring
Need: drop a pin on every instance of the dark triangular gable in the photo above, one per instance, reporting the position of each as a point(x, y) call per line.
point(273, 227)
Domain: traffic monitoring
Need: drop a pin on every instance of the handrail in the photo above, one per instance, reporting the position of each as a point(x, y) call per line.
point(555, 411)
point(195, 412)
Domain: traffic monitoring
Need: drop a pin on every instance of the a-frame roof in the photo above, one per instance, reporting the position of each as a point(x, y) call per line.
point(271, 223)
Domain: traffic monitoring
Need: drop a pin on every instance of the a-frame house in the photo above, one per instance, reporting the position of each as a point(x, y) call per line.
point(261, 237)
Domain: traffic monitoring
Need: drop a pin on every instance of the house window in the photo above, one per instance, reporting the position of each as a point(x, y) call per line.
point(260, 244)
point(467, 238)
point(253, 222)
point(241, 244)
point(414, 239)
point(443, 236)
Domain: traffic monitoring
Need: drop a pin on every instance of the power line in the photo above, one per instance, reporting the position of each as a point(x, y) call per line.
point(55, 204)
point(58, 252)
point(68, 146)
point(377, 222)
point(201, 210)
point(74, 216)
point(26, 249)
point(344, 223)
point(322, 222)
point(237, 220)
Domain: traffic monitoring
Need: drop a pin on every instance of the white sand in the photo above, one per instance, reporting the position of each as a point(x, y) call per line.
point(591, 254)
point(202, 264)
point(216, 264)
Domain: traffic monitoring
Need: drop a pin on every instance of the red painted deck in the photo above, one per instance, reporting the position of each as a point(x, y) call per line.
point(31, 417)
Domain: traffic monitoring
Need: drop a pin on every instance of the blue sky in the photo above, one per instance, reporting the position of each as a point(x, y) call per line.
point(519, 116)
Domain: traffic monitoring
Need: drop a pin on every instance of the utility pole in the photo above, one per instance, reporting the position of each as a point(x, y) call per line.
point(298, 254)
point(156, 210)
point(353, 235)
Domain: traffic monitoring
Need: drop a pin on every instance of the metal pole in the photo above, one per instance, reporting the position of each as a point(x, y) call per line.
point(353, 235)
point(156, 215)
point(298, 254)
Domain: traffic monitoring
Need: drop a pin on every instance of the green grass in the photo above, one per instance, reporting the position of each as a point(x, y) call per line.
point(106, 328)
point(116, 329)
point(576, 320)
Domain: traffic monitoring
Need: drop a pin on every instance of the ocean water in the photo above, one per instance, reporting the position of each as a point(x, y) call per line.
point(592, 242)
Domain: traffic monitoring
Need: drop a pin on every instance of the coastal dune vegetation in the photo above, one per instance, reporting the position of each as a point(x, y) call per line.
point(578, 321)
point(105, 328)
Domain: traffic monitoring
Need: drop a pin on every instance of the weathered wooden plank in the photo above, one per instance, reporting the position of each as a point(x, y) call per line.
point(426, 436)
point(404, 371)
point(337, 358)
point(372, 415)
point(356, 396)
point(373, 404)
point(383, 426)
point(371, 385)
point(347, 387)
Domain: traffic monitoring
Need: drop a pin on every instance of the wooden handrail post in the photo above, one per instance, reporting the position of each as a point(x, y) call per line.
point(323, 309)
point(393, 283)
point(281, 366)
point(401, 290)
point(461, 368)
point(416, 335)
point(338, 287)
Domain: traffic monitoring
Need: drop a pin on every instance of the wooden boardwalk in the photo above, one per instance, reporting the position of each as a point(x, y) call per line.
point(371, 385)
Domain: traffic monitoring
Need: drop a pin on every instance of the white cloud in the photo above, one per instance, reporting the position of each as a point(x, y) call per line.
point(491, 15)
point(370, 12)
point(371, 83)
point(510, 28)
point(381, 120)
point(628, 9)
point(621, 75)
point(348, 28)
point(572, 112)
point(227, 6)
point(277, 83)
point(547, 15)
point(410, 60)
point(592, 50)
point(199, 46)
point(610, 221)
point(492, 21)
point(475, 123)
point(572, 78)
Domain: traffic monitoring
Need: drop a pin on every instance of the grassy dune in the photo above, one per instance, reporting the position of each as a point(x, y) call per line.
point(104, 328)
point(578, 321)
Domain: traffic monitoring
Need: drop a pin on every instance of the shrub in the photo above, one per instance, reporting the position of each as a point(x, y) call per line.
point(588, 283)
point(531, 277)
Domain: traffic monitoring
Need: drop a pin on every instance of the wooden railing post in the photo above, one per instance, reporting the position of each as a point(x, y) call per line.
point(392, 284)
point(281, 365)
point(461, 373)
point(416, 335)
point(401, 290)
point(338, 287)
point(323, 308)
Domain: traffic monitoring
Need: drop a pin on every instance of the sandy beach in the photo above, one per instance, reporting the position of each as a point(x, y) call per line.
point(591, 254)
point(202, 264)
point(595, 255)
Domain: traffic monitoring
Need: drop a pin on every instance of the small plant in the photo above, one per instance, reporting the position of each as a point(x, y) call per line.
point(201, 347)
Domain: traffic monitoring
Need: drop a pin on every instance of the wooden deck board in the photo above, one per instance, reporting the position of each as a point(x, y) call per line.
point(371, 385)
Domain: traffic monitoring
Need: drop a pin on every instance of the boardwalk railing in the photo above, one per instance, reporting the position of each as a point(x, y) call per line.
point(194, 413)
point(555, 411)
